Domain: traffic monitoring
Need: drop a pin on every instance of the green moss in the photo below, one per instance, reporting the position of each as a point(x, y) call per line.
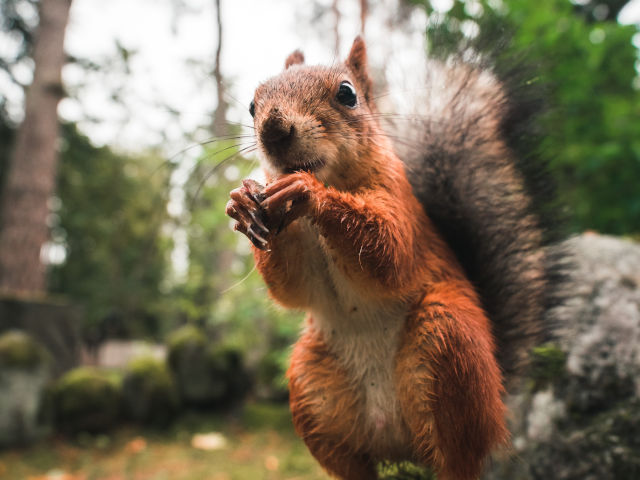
point(86, 399)
point(149, 392)
point(548, 364)
point(19, 350)
point(404, 471)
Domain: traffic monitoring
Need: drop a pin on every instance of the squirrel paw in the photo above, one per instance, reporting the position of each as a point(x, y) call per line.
point(263, 212)
point(245, 207)
point(288, 198)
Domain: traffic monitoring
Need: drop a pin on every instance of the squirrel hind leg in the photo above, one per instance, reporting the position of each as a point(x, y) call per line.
point(449, 387)
point(325, 411)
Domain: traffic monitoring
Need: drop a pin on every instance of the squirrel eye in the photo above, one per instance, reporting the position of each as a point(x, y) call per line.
point(347, 95)
point(252, 108)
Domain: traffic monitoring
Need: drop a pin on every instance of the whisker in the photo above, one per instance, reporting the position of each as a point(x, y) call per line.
point(239, 282)
point(172, 157)
point(210, 173)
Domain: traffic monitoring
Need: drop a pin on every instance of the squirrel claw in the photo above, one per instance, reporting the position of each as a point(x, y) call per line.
point(245, 208)
point(257, 238)
point(259, 223)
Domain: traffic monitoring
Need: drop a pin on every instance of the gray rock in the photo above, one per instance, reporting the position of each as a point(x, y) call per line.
point(578, 416)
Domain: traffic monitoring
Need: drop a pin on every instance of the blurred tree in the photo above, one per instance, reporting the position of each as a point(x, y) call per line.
point(585, 60)
point(364, 12)
point(220, 127)
point(212, 244)
point(32, 168)
point(109, 217)
point(335, 10)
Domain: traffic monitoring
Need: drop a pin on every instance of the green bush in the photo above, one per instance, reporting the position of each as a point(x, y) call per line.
point(19, 350)
point(271, 383)
point(206, 375)
point(183, 341)
point(227, 364)
point(149, 392)
point(86, 400)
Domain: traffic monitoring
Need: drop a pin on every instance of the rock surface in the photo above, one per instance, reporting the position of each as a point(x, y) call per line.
point(578, 416)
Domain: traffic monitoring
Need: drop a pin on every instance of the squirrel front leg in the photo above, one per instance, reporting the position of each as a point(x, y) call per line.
point(277, 250)
point(370, 234)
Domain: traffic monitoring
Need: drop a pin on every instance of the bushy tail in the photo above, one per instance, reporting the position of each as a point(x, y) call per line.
point(478, 178)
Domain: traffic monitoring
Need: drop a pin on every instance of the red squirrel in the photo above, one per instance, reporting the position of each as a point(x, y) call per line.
point(398, 358)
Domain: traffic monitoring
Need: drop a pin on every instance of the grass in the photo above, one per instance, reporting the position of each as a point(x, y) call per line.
point(261, 445)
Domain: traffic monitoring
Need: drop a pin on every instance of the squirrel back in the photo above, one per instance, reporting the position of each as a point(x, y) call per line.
point(474, 168)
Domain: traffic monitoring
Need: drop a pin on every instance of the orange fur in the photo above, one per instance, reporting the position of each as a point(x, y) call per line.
point(326, 409)
point(449, 384)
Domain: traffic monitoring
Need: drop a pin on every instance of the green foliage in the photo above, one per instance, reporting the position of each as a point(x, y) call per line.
point(18, 19)
point(592, 129)
point(149, 392)
point(19, 350)
point(271, 383)
point(110, 218)
point(267, 415)
point(86, 400)
point(223, 291)
point(186, 337)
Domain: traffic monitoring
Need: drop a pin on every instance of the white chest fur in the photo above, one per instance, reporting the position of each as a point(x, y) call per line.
point(364, 336)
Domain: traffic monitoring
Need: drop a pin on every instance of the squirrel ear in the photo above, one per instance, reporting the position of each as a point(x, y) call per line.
point(357, 63)
point(295, 58)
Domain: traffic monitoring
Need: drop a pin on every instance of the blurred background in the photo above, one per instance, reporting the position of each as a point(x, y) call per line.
point(136, 338)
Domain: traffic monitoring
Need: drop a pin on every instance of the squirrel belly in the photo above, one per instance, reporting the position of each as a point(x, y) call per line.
point(385, 370)
point(397, 360)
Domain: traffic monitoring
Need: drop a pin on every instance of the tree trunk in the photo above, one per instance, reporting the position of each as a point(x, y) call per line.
point(364, 11)
point(220, 127)
point(336, 27)
point(32, 170)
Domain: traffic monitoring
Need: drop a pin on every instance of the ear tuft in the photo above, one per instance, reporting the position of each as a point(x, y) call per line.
point(357, 59)
point(357, 63)
point(295, 58)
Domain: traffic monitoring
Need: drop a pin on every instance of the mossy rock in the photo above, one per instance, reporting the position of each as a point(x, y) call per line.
point(183, 341)
point(149, 392)
point(24, 373)
point(206, 376)
point(227, 364)
point(86, 399)
point(19, 351)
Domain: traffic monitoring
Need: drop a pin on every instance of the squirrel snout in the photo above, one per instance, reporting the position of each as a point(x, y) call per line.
point(276, 131)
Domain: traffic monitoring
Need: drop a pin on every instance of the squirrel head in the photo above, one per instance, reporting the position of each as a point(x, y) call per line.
point(318, 119)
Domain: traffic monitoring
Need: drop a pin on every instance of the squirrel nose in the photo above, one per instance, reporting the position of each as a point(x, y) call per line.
point(276, 130)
